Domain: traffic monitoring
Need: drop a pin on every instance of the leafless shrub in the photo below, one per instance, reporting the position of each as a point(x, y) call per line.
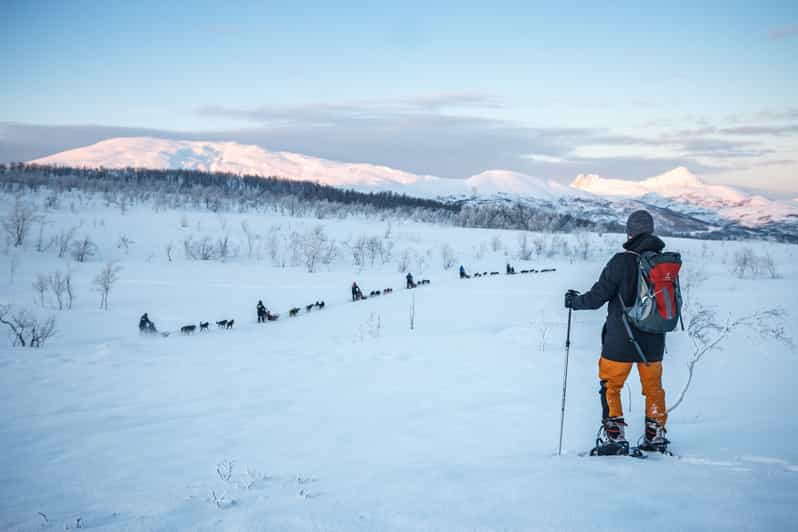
point(41, 245)
point(447, 256)
point(202, 249)
point(373, 249)
point(18, 221)
point(495, 243)
point(524, 249)
point(105, 280)
point(403, 263)
point(26, 328)
point(63, 240)
point(13, 262)
point(358, 250)
point(250, 236)
point(83, 250)
point(225, 470)
point(747, 263)
point(315, 248)
point(125, 242)
point(543, 331)
point(707, 333)
point(581, 249)
point(70, 291)
point(223, 248)
point(371, 328)
point(58, 282)
point(40, 286)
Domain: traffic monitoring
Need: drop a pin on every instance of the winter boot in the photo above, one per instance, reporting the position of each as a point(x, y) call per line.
point(610, 439)
point(654, 439)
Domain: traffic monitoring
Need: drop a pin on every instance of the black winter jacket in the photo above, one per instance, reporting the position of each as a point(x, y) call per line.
point(620, 275)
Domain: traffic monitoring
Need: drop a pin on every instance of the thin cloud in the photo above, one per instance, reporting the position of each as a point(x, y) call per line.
point(325, 112)
point(761, 130)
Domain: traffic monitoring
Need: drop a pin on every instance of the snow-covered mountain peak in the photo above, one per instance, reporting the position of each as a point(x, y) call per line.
point(509, 182)
point(678, 177)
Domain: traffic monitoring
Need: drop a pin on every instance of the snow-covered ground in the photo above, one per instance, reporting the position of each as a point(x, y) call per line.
point(345, 418)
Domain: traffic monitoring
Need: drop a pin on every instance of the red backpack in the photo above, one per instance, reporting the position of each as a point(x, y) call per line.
point(657, 306)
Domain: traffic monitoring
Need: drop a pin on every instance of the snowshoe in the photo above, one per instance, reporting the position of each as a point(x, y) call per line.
point(611, 441)
point(610, 448)
point(654, 439)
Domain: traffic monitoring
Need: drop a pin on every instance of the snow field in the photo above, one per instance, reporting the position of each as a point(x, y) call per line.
point(345, 419)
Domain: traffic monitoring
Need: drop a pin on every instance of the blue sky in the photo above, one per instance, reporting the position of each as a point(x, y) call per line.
point(448, 89)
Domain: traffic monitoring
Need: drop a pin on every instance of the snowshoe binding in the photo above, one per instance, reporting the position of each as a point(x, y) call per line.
point(611, 440)
point(654, 439)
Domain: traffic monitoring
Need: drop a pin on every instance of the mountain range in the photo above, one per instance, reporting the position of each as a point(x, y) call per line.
point(689, 204)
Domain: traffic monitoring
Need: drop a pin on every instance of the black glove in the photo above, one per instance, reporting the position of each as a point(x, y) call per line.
point(570, 295)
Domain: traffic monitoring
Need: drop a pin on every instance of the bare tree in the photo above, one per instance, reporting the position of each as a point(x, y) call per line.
point(495, 243)
point(26, 328)
point(447, 256)
point(358, 249)
point(13, 262)
point(105, 280)
point(524, 250)
point(18, 221)
point(707, 333)
point(403, 264)
point(70, 291)
point(313, 246)
point(63, 240)
point(582, 247)
point(41, 245)
point(58, 286)
point(251, 237)
point(223, 248)
point(40, 286)
point(83, 249)
point(373, 249)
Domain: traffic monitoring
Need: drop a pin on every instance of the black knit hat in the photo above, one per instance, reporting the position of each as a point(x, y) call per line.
point(639, 222)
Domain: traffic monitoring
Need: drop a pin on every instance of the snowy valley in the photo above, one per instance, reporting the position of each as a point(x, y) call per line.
point(435, 408)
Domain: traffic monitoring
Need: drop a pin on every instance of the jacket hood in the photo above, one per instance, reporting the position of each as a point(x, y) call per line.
point(644, 242)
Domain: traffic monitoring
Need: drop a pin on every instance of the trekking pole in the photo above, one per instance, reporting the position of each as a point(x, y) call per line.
point(565, 380)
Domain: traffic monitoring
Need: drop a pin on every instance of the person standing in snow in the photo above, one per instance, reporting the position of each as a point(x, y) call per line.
point(463, 274)
point(356, 293)
point(261, 312)
point(618, 354)
point(410, 282)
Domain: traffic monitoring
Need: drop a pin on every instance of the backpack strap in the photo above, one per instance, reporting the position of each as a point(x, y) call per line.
point(629, 332)
point(623, 314)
